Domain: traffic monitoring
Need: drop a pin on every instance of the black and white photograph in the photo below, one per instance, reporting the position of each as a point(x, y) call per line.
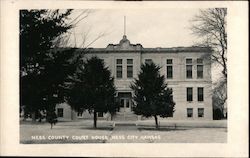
point(121, 79)
point(107, 76)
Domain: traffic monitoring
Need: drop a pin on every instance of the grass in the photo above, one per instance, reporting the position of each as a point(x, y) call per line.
point(75, 131)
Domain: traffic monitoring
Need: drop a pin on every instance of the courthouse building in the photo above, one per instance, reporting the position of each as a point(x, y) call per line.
point(185, 69)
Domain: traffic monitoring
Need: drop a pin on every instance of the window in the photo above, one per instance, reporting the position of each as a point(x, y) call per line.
point(100, 114)
point(130, 61)
point(148, 61)
point(79, 114)
point(171, 96)
point(189, 94)
point(200, 112)
point(129, 68)
point(169, 68)
point(60, 112)
point(188, 61)
point(200, 94)
point(129, 71)
point(199, 71)
point(169, 61)
point(199, 68)
point(119, 71)
point(118, 68)
point(189, 71)
point(189, 68)
point(118, 61)
point(189, 112)
point(169, 71)
point(199, 61)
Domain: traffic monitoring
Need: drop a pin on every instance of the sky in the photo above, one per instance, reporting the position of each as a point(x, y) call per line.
point(149, 27)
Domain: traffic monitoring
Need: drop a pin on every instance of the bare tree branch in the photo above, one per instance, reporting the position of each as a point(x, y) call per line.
point(210, 25)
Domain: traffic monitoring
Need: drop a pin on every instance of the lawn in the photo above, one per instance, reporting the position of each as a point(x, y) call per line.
point(140, 132)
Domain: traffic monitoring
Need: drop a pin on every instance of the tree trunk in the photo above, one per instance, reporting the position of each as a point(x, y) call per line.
point(33, 116)
point(51, 125)
point(156, 122)
point(24, 116)
point(111, 117)
point(95, 118)
point(72, 113)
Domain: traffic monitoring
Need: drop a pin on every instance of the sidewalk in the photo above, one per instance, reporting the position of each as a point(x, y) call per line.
point(186, 123)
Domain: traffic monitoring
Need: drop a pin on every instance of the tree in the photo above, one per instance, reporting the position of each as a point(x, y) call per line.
point(219, 98)
point(211, 26)
point(217, 114)
point(40, 34)
point(152, 96)
point(93, 88)
point(51, 118)
point(38, 31)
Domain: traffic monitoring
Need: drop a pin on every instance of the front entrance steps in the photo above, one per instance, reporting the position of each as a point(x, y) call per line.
point(125, 116)
point(124, 123)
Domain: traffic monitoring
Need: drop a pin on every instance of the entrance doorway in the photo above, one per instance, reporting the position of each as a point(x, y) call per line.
point(125, 105)
point(125, 110)
point(125, 100)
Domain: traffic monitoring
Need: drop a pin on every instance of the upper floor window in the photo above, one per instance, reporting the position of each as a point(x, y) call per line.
point(118, 68)
point(199, 61)
point(169, 68)
point(129, 68)
point(189, 94)
point(189, 68)
point(199, 68)
point(189, 61)
point(148, 61)
point(118, 61)
point(169, 61)
point(200, 94)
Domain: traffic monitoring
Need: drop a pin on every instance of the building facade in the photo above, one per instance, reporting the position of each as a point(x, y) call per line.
point(187, 71)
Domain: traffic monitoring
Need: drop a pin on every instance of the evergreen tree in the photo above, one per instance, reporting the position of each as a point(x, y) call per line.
point(152, 96)
point(41, 70)
point(93, 89)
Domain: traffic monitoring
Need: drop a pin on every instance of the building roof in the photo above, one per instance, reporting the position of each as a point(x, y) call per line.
point(125, 46)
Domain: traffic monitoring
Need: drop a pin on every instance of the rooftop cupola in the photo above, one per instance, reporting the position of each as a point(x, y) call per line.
point(124, 40)
point(124, 43)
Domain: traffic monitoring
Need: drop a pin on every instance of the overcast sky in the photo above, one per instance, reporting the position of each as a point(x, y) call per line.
point(149, 27)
